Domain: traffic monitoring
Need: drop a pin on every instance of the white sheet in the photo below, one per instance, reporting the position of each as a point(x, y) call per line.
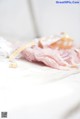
point(31, 92)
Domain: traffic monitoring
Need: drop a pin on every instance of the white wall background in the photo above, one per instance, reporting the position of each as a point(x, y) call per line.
point(53, 18)
point(50, 18)
point(15, 20)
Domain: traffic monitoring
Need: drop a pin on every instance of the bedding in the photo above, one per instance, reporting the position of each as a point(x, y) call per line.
point(31, 90)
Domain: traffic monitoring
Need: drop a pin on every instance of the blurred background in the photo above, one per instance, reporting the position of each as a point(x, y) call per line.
point(27, 19)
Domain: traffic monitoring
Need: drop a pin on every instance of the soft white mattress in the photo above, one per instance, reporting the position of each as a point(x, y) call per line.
point(32, 91)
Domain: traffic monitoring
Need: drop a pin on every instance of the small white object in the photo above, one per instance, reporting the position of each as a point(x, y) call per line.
point(5, 47)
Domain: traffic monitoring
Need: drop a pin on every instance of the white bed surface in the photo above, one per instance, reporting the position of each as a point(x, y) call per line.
point(31, 90)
